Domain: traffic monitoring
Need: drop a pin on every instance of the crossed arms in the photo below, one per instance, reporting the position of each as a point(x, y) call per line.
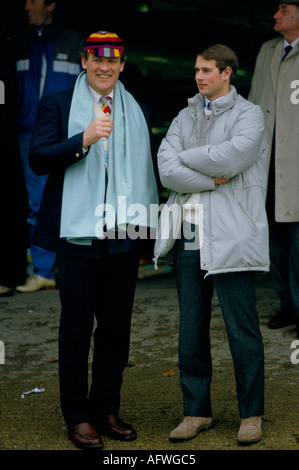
point(202, 168)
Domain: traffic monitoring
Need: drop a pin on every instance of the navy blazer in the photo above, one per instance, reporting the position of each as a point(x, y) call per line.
point(50, 154)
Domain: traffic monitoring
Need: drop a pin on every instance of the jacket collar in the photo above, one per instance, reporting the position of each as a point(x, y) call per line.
point(44, 33)
point(278, 47)
point(228, 101)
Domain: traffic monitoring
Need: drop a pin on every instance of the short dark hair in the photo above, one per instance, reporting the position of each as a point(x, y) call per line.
point(223, 56)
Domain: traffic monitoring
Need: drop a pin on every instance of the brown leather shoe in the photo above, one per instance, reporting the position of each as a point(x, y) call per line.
point(116, 428)
point(85, 436)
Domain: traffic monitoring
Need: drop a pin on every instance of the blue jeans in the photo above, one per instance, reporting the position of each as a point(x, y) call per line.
point(43, 260)
point(236, 294)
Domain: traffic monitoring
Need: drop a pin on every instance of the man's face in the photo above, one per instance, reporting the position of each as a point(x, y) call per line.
point(211, 83)
point(38, 13)
point(285, 18)
point(102, 72)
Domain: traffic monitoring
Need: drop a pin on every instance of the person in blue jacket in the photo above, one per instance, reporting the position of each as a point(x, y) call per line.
point(46, 60)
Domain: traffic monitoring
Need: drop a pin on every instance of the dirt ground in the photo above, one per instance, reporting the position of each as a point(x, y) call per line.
point(151, 397)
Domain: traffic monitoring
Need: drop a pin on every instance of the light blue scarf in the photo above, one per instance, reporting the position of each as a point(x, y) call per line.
point(131, 177)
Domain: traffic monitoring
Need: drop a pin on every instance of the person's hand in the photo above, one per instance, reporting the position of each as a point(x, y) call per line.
point(221, 180)
point(98, 128)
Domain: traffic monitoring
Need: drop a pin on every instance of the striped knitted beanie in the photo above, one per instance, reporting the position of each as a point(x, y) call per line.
point(104, 44)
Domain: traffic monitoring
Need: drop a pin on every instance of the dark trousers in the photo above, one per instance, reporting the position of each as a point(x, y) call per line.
point(236, 294)
point(284, 256)
point(284, 252)
point(102, 289)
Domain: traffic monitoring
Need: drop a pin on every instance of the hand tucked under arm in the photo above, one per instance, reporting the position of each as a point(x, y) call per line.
point(221, 180)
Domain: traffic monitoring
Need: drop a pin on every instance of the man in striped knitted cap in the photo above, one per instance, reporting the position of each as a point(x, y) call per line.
point(93, 158)
point(103, 60)
point(104, 44)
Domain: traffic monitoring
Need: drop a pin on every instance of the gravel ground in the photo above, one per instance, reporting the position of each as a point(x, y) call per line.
point(151, 397)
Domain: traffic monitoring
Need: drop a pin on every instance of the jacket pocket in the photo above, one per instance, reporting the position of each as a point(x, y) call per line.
point(247, 215)
point(250, 203)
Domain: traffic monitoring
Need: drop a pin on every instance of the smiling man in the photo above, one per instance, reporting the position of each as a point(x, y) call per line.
point(39, 12)
point(275, 76)
point(102, 74)
point(214, 156)
point(82, 138)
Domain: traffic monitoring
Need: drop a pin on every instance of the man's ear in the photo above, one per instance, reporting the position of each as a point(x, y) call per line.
point(51, 7)
point(83, 61)
point(227, 73)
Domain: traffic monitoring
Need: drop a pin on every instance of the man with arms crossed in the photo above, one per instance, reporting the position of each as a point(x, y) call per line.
point(215, 153)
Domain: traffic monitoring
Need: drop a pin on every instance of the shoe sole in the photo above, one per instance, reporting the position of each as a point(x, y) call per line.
point(128, 438)
point(248, 442)
point(202, 428)
point(36, 290)
point(88, 446)
point(117, 437)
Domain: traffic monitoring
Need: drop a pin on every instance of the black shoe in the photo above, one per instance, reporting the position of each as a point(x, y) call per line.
point(282, 319)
